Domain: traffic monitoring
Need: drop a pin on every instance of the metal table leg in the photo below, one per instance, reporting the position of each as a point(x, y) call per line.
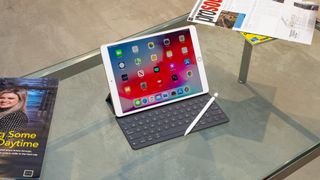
point(245, 62)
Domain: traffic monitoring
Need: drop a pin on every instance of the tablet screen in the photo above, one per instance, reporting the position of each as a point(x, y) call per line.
point(156, 69)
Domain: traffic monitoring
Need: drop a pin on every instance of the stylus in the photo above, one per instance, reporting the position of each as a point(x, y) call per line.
point(205, 108)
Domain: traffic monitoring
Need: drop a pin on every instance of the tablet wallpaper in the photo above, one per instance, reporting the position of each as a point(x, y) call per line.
point(155, 69)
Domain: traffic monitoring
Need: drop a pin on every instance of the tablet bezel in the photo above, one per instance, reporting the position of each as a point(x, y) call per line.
point(111, 79)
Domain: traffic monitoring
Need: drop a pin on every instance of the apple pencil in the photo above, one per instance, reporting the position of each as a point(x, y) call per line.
point(205, 108)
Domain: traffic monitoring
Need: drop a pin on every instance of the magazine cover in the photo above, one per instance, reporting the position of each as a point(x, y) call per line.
point(26, 107)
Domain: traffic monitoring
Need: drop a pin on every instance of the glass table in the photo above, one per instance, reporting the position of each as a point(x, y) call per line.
point(274, 123)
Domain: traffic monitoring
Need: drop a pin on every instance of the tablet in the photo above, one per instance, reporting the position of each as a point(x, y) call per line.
point(154, 70)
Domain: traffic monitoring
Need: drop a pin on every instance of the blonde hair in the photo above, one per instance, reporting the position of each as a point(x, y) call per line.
point(21, 105)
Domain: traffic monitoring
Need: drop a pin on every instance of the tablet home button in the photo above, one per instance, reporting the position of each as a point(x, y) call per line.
point(199, 59)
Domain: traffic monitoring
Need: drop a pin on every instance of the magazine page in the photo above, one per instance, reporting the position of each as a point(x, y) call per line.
point(285, 19)
point(292, 20)
point(26, 107)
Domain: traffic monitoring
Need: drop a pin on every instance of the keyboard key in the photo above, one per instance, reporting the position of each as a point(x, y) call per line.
point(157, 135)
point(142, 140)
point(152, 131)
point(149, 138)
point(129, 131)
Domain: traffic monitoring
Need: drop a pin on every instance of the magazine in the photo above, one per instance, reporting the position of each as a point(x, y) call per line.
point(292, 20)
point(26, 107)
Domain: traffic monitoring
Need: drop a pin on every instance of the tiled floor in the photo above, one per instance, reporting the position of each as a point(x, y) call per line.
point(42, 33)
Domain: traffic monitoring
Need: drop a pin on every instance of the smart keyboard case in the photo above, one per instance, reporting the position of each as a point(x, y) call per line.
point(169, 121)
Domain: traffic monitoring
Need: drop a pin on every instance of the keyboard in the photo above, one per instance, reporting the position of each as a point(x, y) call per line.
point(170, 121)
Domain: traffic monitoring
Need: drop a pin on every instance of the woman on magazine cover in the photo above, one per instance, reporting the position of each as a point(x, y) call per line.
point(13, 110)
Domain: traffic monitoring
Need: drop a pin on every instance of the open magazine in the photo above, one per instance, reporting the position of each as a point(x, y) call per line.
point(26, 107)
point(292, 20)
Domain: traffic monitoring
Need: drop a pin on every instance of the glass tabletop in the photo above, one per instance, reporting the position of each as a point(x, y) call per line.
point(274, 117)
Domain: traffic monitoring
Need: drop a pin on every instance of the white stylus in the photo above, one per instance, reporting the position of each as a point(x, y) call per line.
point(205, 108)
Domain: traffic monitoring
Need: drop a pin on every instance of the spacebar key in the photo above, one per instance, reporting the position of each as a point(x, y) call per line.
point(176, 129)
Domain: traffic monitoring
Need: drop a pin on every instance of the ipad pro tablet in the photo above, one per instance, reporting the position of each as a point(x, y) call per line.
point(154, 70)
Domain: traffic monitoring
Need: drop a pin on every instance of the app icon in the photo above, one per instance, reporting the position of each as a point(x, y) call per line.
point(165, 95)
point(166, 41)
point(171, 65)
point(189, 73)
point(143, 85)
point(184, 50)
point(187, 61)
point(174, 77)
point(127, 89)
point(158, 97)
point(121, 65)
point(169, 53)
point(140, 73)
point(182, 38)
point(173, 93)
point(118, 52)
point(135, 49)
point(186, 89)
point(137, 102)
point(180, 91)
point(151, 99)
point(124, 77)
point(154, 57)
point(150, 45)
point(138, 61)
point(156, 69)
point(144, 100)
